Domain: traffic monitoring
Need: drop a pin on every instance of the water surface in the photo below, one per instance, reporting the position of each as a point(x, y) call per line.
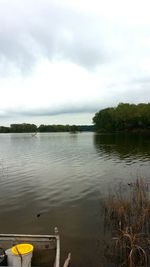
point(64, 178)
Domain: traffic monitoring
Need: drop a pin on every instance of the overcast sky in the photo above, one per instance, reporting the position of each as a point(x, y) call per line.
point(63, 60)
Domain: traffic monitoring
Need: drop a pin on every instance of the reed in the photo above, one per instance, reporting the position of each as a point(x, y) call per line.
point(127, 215)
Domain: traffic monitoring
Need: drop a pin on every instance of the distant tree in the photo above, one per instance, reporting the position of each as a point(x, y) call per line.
point(86, 128)
point(53, 128)
point(4, 129)
point(27, 128)
point(73, 128)
point(23, 128)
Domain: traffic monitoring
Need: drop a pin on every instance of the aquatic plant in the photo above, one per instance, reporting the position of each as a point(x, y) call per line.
point(127, 215)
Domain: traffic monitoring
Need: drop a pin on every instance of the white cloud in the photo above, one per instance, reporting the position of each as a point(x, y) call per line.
point(59, 57)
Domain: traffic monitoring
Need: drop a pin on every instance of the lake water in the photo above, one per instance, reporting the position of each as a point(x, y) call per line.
point(64, 177)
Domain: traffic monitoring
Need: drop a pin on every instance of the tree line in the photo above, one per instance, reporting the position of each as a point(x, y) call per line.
point(31, 128)
point(124, 117)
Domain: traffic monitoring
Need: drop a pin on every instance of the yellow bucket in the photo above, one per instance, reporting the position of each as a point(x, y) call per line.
point(22, 249)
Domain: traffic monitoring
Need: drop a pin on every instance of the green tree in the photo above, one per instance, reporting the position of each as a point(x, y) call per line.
point(123, 117)
point(23, 128)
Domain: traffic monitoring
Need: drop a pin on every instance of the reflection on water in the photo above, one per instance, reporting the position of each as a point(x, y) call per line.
point(64, 177)
point(123, 146)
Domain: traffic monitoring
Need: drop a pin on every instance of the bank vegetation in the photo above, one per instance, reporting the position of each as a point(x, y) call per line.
point(127, 216)
point(32, 128)
point(124, 117)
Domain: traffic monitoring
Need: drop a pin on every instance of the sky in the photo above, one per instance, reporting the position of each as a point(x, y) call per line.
point(63, 60)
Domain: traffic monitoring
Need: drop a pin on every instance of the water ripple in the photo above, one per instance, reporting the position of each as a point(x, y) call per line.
point(64, 178)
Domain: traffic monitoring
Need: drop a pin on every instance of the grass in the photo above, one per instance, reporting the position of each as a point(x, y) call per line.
point(127, 215)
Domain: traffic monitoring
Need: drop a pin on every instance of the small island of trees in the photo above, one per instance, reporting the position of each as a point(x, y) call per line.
point(124, 117)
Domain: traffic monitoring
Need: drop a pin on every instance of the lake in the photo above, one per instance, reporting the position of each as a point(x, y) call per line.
point(65, 177)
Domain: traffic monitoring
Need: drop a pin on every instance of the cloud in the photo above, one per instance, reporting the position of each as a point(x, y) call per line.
point(9, 113)
point(84, 33)
point(68, 57)
point(32, 29)
point(66, 88)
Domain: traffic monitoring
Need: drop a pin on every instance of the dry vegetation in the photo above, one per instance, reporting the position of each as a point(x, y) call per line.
point(127, 214)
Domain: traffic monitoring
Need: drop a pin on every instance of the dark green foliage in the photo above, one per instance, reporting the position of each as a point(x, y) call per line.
point(86, 128)
point(53, 128)
point(23, 128)
point(73, 129)
point(125, 116)
point(4, 129)
point(28, 128)
point(65, 128)
point(58, 128)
